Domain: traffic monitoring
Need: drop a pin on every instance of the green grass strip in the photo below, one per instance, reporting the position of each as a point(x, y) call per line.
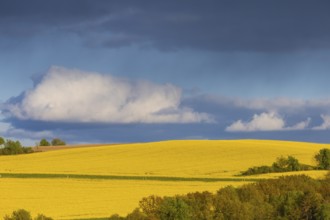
point(112, 177)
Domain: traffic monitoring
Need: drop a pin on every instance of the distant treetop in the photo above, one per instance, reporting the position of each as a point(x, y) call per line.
point(44, 142)
point(58, 142)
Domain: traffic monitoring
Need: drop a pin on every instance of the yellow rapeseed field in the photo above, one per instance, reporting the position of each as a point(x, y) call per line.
point(168, 158)
point(74, 198)
point(82, 198)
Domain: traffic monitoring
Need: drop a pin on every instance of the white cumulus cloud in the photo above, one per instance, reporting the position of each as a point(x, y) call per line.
point(71, 95)
point(266, 121)
point(261, 122)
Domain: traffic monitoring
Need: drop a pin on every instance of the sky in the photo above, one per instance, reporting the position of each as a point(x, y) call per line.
point(136, 71)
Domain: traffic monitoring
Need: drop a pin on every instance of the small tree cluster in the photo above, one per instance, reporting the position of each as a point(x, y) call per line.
point(10, 147)
point(44, 142)
point(281, 164)
point(54, 142)
point(58, 142)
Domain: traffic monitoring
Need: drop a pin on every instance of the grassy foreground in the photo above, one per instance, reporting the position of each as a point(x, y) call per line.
point(96, 182)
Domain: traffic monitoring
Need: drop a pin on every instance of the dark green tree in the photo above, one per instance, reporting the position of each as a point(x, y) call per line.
point(13, 147)
point(229, 206)
point(174, 208)
point(283, 164)
point(293, 164)
point(287, 204)
point(20, 214)
point(323, 159)
point(150, 205)
point(252, 195)
point(2, 141)
point(44, 142)
point(58, 142)
point(280, 165)
point(202, 205)
point(311, 206)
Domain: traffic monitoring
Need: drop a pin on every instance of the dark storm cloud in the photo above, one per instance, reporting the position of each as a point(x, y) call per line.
point(265, 26)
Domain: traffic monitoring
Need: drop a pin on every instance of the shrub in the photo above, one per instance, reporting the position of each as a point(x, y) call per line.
point(137, 215)
point(116, 217)
point(42, 217)
point(258, 170)
point(27, 150)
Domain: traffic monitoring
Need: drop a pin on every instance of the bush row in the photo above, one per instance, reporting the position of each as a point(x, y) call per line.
point(10, 147)
point(291, 197)
point(290, 163)
point(282, 164)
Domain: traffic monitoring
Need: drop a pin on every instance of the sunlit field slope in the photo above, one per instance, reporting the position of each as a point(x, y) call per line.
point(83, 198)
point(168, 158)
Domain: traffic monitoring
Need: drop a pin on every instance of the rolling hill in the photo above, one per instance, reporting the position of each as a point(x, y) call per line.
point(97, 181)
point(168, 158)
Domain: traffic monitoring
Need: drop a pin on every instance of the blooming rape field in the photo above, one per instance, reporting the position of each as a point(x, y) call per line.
point(80, 189)
point(169, 158)
point(79, 199)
